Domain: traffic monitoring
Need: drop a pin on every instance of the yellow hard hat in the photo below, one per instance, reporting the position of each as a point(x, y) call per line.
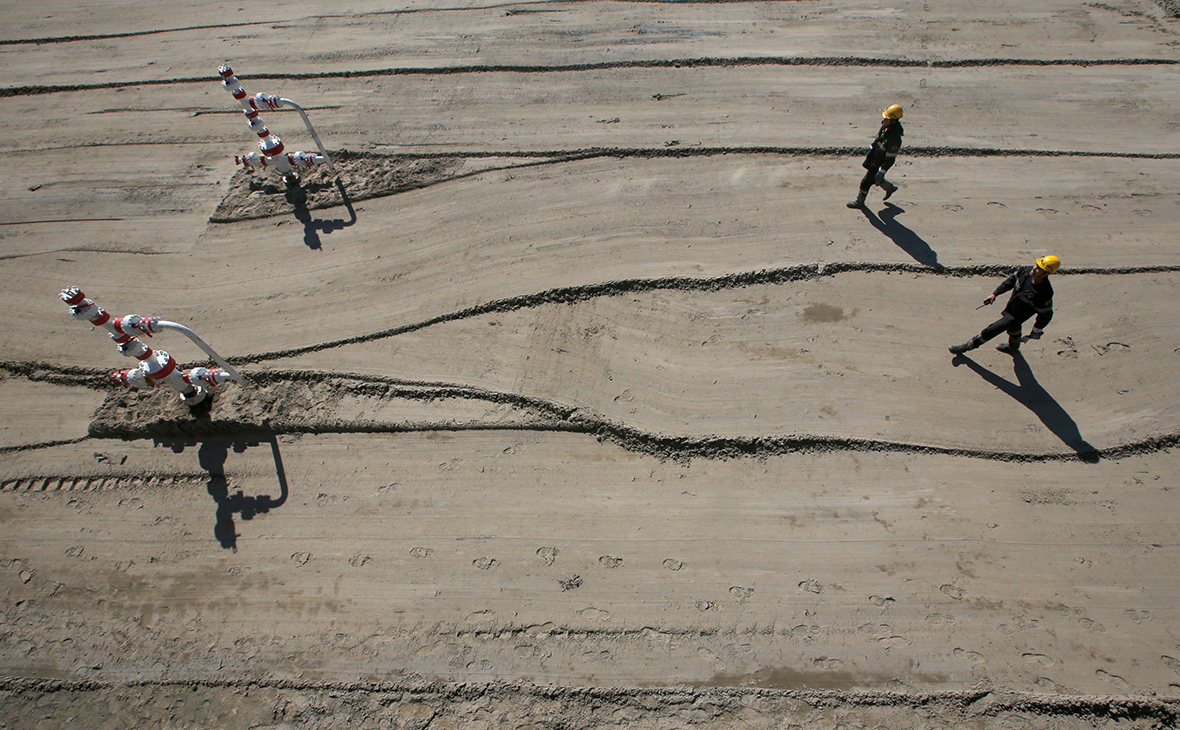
point(893, 112)
point(1049, 264)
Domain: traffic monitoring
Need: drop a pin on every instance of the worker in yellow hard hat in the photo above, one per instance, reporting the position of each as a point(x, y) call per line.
point(1031, 294)
point(882, 155)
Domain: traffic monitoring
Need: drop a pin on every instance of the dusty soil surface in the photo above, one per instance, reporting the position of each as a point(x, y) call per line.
point(576, 396)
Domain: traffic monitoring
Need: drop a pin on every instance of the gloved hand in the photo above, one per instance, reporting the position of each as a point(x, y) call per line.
point(1034, 335)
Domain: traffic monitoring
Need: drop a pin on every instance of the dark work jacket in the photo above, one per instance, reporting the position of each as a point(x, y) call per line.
point(1037, 299)
point(883, 153)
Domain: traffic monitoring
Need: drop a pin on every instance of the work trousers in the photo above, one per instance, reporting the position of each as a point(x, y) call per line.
point(874, 176)
point(1009, 322)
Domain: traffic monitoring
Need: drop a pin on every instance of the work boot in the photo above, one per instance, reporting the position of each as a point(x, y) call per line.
point(970, 344)
point(860, 200)
point(1008, 347)
point(890, 189)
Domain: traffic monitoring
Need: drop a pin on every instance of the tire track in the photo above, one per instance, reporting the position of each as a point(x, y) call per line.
point(160, 419)
point(678, 63)
point(36, 370)
point(159, 415)
point(97, 483)
point(622, 287)
point(952, 707)
point(42, 445)
point(511, 8)
point(132, 34)
point(80, 249)
point(552, 418)
point(42, 372)
point(589, 153)
point(363, 176)
point(49, 40)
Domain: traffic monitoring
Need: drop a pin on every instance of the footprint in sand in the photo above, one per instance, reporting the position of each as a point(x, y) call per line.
point(595, 613)
point(970, 656)
point(479, 617)
point(741, 593)
point(713, 660)
point(1114, 679)
point(1137, 616)
point(1038, 659)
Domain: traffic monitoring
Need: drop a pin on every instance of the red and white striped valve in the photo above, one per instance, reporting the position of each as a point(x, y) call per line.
point(271, 152)
point(155, 366)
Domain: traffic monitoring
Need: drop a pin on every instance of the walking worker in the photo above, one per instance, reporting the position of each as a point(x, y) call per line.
point(1031, 294)
point(881, 156)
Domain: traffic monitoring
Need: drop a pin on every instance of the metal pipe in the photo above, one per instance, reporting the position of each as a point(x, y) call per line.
point(278, 102)
point(154, 365)
point(299, 160)
point(233, 374)
point(271, 146)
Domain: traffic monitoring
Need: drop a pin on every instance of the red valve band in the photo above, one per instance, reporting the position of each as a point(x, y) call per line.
point(164, 371)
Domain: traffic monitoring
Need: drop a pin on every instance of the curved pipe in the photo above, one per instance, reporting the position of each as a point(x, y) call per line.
point(307, 123)
point(204, 346)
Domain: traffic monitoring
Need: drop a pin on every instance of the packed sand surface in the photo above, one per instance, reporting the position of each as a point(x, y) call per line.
point(575, 396)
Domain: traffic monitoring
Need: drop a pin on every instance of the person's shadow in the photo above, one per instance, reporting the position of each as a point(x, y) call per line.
point(1029, 393)
point(312, 228)
point(906, 240)
point(211, 456)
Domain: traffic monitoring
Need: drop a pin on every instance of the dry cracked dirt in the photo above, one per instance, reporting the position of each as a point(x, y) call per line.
point(576, 396)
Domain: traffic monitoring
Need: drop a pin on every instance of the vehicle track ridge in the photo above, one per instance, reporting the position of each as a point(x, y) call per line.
point(736, 280)
point(586, 153)
point(42, 445)
point(39, 371)
point(689, 63)
point(102, 482)
point(376, 175)
point(555, 418)
point(48, 40)
point(964, 703)
point(69, 375)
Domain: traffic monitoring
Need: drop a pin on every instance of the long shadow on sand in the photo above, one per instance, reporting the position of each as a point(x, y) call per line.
point(212, 455)
point(313, 227)
point(906, 239)
point(1029, 393)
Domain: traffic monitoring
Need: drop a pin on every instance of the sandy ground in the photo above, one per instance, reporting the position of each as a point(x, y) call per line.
point(577, 398)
